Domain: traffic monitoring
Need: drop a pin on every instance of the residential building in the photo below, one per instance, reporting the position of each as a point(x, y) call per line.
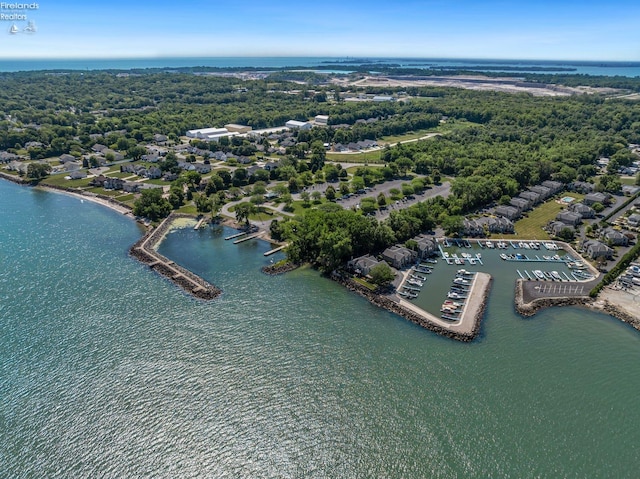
point(322, 120)
point(363, 264)
point(509, 212)
point(613, 237)
point(554, 186)
point(595, 249)
point(399, 256)
point(583, 210)
point(543, 191)
point(596, 197)
point(522, 204)
point(569, 218)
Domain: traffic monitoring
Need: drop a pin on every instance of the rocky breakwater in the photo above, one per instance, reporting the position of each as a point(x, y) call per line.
point(466, 334)
point(279, 268)
point(144, 251)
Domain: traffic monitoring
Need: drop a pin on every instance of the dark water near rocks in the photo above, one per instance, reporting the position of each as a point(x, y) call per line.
point(108, 370)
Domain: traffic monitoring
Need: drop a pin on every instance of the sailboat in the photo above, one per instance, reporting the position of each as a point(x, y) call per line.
point(14, 29)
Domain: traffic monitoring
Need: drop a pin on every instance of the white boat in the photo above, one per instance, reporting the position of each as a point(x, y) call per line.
point(489, 244)
point(460, 281)
point(415, 282)
point(503, 256)
point(539, 274)
point(556, 276)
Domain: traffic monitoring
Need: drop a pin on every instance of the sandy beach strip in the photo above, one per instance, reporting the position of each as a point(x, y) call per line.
point(112, 204)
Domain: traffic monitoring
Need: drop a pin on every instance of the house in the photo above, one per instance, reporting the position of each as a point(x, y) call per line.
point(472, 228)
point(202, 168)
point(569, 218)
point(426, 246)
point(6, 157)
point(595, 249)
point(634, 220)
point(131, 186)
point(383, 98)
point(72, 165)
point(77, 174)
point(113, 184)
point(583, 210)
point(66, 158)
point(596, 197)
point(363, 264)
point(543, 191)
point(613, 237)
point(630, 190)
point(509, 212)
point(555, 227)
point(522, 204)
point(98, 148)
point(272, 165)
point(322, 120)
point(554, 186)
point(582, 187)
point(399, 256)
point(159, 138)
point(533, 197)
point(154, 173)
point(500, 224)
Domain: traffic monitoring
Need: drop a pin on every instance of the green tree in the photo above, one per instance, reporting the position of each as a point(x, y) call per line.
point(37, 171)
point(381, 274)
point(330, 193)
point(152, 205)
point(243, 211)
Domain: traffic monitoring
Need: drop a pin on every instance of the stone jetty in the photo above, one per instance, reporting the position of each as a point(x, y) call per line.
point(144, 251)
point(466, 329)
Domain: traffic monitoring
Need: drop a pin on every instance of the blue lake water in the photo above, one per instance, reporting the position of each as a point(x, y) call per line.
point(628, 69)
point(109, 370)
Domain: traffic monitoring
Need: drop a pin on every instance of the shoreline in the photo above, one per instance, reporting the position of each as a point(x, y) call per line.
point(200, 288)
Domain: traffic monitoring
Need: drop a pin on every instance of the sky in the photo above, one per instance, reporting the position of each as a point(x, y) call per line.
point(542, 29)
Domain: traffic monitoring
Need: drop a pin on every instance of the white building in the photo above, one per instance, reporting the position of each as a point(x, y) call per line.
point(203, 133)
point(300, 125)
point(322, 119)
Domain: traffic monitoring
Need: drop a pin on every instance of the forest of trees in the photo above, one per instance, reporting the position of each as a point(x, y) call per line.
point(493, 144)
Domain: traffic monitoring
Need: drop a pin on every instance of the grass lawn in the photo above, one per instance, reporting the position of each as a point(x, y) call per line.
point(628, 180)
point(188, 209)
point(352, 169)
point(410, 135)
point(530, 227)
point(118, 174)
point(367, 157)
point(364, 283)
point(59, 180)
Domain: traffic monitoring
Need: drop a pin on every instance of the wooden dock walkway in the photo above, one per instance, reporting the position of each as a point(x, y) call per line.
point(254, 236)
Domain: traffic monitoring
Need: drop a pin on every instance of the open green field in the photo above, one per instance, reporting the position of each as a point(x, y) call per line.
point(59, 180)
point(370, 157)
point(530, 227)
point(410, 135)
point(628, 180)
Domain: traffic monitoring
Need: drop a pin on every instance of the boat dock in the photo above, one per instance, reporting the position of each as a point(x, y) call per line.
point(275, 250)
point(199, 224)
point(237, 235)
point(253, 236)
